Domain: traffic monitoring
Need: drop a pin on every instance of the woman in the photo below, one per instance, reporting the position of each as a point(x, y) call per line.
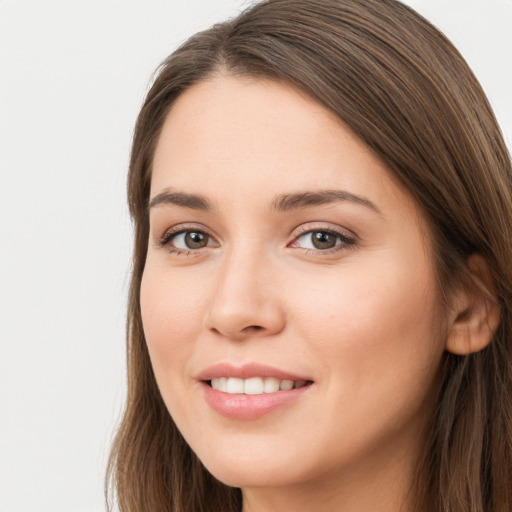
point(319, 312)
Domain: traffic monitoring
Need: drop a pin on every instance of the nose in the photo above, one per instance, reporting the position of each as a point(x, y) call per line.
point(247, 301)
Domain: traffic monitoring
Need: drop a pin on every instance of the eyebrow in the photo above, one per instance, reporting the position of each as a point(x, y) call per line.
point(280, 203)
point(192, 201)
point(285, 202)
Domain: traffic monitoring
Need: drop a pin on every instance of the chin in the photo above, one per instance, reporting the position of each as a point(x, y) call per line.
point(250, 477)
point(251, 473)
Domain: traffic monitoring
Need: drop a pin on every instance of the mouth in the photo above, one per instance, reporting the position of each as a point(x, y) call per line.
point(255, 385)
point(253, 390)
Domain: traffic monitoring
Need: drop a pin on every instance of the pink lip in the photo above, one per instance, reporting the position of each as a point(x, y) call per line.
point(246, 371)
point(248, 407)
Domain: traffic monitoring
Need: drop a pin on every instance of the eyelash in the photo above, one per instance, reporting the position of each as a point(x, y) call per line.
point(171, 234)
point(347, 242)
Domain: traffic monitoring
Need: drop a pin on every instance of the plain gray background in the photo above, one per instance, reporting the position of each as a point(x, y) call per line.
point(72, 78)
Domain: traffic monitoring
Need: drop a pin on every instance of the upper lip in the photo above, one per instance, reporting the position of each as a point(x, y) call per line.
point(246, 371)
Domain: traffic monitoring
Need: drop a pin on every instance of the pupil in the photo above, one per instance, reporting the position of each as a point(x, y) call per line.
point(323, 240)
point(195, 240)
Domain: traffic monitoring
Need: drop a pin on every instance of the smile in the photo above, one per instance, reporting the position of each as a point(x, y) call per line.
point(251, 391)
point(254, 385)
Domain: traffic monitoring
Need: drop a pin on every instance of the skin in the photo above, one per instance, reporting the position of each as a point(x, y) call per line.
point(362, 320)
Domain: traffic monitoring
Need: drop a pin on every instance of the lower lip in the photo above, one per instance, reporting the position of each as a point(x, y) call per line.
point(250, 407)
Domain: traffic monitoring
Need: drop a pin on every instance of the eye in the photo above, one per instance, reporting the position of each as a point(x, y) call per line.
point(190, 240)
point(186, 240)
point(323, 240)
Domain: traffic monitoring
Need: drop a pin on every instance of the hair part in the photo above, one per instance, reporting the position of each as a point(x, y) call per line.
point(406, 92)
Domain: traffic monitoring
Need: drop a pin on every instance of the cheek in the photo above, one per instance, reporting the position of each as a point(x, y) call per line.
point(171, 309)
point(376, 337)
point(382, 323)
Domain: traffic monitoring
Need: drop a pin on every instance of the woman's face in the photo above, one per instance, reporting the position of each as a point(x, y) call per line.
point(281, 249)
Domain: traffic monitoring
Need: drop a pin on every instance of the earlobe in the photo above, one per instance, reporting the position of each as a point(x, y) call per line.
point(476, 314)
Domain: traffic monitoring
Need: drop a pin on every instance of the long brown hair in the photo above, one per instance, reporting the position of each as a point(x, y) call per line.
point(408, 94)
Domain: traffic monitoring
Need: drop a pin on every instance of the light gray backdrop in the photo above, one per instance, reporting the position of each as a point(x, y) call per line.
point(72, 77)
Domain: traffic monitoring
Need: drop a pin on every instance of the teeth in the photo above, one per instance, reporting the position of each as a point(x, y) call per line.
point(235, 385)
point(222, 384)
point(286, 385)
point(271, 385)
point(254, 385)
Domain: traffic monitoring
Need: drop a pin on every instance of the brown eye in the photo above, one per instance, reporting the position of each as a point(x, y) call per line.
point(187, 240)
point(195, 239)
point(323, 240)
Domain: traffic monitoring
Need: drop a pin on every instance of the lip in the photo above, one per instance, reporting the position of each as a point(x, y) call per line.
point(249, 407)
point(247, 371)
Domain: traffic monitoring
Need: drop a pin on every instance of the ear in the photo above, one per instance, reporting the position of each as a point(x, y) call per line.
point(475, 316)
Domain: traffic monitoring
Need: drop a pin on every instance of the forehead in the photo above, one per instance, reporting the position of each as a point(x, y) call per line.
point(255, 137)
